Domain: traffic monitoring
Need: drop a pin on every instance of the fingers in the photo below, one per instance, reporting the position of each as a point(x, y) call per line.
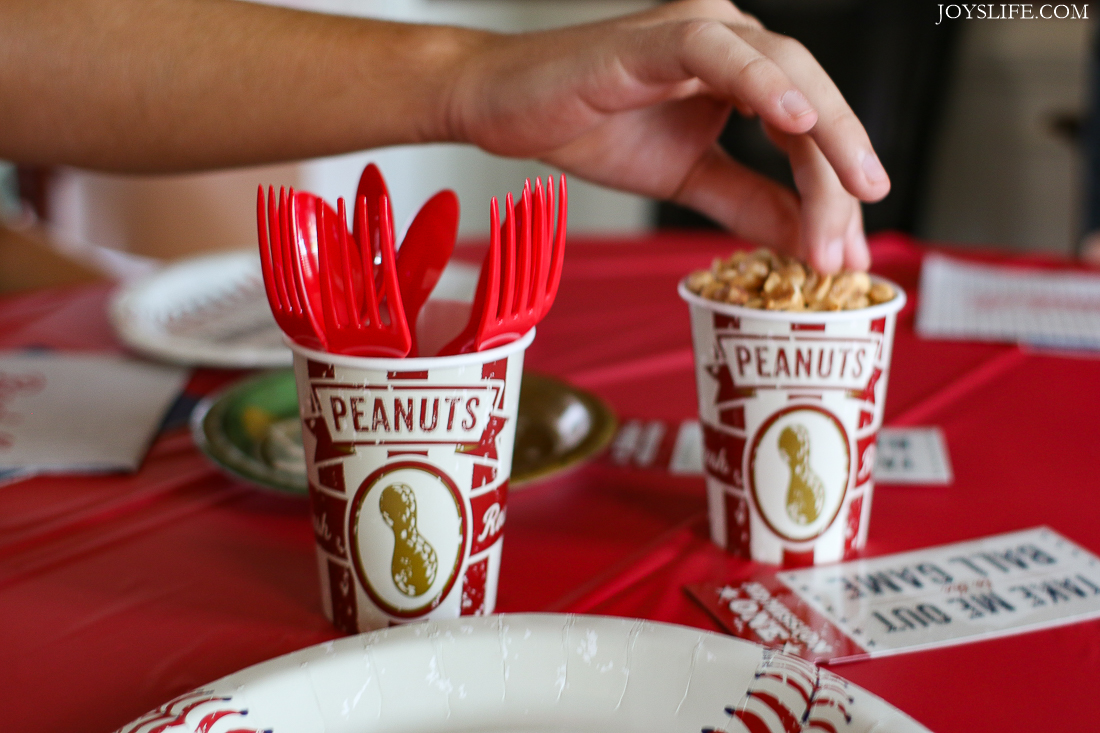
point(727, 66)
point(722, 10)
point(857, 256)
point(742, 201)
point(766, 74)
point(824, 229)
point(836, 129)
point(838, 132)
point(831, 221)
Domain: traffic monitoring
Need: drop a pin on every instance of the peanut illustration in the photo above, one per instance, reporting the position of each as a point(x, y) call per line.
point(414, 561)
point(806, 493)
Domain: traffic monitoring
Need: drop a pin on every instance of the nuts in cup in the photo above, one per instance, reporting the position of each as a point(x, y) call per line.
point(765, 280)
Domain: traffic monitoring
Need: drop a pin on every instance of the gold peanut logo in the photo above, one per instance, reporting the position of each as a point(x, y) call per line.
point(805, 491)
point(798, 470)
point(407, 536)
point(414, 563)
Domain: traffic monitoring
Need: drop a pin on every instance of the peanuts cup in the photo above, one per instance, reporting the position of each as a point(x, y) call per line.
point(790, 404)
point(408, 463)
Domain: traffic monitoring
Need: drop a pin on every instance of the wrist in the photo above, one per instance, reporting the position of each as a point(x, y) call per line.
point(446, 57)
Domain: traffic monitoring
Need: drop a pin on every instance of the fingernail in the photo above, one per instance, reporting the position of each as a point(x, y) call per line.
point(795, 104)
point(872, 168)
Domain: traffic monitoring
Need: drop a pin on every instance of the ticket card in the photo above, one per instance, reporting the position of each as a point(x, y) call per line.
point(64, 412)
point(965, 300)
point(912, 456)
point(952, 594)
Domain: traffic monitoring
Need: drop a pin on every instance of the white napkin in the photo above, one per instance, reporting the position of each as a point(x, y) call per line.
point(63, 413)
point(990, 303)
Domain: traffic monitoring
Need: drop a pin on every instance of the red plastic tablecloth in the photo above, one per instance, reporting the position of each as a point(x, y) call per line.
point(120, 592)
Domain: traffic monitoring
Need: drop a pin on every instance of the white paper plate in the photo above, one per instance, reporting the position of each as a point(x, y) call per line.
point(207, 311)
point(531, 673)
point(212, 311)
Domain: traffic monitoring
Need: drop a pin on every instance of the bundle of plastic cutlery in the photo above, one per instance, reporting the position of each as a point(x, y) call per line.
point(357, 293)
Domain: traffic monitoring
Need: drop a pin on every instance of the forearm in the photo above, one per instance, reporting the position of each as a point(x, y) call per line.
point(174, 85)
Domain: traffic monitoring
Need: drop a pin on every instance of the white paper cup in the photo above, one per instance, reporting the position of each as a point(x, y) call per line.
point(790, 405)
point(408, 463)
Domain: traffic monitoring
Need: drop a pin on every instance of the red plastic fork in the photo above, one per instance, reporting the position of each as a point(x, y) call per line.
point(288, 264)
point(360, 318)
point(521, 271)
point(427, 247)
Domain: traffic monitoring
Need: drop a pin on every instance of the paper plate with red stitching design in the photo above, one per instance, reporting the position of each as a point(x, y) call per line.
point(539, 672)
point(212, 311)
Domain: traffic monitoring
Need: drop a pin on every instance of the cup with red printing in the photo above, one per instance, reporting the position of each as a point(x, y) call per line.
point(790, 404)
point(408, 463)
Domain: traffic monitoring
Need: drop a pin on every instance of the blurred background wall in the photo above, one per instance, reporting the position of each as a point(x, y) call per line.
point(979, 124)
point(1008, 166)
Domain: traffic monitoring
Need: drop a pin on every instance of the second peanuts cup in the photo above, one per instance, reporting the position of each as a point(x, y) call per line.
point(408, 463)
point(790, 404)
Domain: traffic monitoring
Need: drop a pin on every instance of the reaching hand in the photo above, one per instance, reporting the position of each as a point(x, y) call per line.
point(637, 103)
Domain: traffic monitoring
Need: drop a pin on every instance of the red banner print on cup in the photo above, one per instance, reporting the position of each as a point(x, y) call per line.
point(397, 413)
point(473, 588)
point(342, 594)
point(328, 521)
point(765, 361)
point(722, 454)
point(488, 511)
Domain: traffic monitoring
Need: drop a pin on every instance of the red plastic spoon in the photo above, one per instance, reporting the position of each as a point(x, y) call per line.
point(424, 254)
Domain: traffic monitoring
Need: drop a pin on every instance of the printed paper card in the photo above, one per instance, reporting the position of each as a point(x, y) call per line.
point(961, 300)
point(997, 586)
point(80, 412)
point(911, 456)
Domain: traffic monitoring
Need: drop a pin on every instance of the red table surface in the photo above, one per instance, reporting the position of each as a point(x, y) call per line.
point(120, 592)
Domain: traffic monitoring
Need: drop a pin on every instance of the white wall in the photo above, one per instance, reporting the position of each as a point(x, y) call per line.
point(1000, 176)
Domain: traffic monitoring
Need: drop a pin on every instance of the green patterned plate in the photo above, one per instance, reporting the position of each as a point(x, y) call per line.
point(252, 430)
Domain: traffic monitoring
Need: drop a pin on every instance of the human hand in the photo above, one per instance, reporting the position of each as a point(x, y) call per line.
point(637, 103)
